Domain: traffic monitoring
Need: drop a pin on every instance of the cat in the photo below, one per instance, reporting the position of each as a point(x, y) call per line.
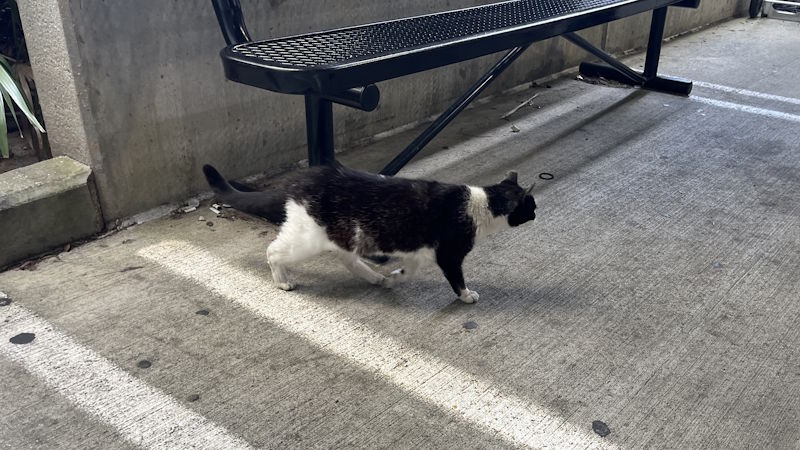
point(363, 215)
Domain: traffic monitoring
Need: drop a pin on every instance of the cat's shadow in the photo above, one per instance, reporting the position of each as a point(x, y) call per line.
point(341, 285)
point(426, 292)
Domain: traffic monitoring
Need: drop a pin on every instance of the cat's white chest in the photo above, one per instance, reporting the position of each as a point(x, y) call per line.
point(478, 209)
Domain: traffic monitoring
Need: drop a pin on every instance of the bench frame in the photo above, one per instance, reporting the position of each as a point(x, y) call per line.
point(319, 105)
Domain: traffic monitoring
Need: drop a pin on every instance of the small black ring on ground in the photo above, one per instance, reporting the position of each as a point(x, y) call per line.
point(546, 176)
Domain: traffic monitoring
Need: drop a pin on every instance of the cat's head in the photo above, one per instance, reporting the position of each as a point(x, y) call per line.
point(509, 199)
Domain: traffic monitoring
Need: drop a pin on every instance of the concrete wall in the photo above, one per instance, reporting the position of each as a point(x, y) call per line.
point(136, 89)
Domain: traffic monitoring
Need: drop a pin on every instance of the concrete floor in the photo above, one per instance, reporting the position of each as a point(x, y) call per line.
point(657, 292)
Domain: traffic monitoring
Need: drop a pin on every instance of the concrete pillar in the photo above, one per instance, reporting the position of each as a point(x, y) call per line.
point(52, 47)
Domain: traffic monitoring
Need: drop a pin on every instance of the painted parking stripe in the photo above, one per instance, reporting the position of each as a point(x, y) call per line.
point(748, 109)
point(453, 390)
point(748, 93)
point(140, 413)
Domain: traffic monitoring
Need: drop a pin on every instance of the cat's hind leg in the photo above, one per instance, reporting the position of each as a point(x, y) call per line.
point(359, 268)
point(299, 239)
point(410, 265)
point(409, 268)
point(279, 255)
point(286, 250)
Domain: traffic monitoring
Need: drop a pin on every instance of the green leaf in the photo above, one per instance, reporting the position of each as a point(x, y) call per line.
point(3, 131)
point(11, 108)
point(5, 63)
point(9, 86)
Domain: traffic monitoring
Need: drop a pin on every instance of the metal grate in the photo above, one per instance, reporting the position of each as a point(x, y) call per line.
point(375, 40)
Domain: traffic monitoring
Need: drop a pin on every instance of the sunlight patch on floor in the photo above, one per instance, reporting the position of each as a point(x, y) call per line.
point(454, 390)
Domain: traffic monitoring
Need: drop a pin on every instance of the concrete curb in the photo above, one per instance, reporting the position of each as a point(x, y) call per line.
point(46, 205)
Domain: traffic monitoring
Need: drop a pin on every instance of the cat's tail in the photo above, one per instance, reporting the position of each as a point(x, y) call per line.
point(217, 182)
point(269, 205)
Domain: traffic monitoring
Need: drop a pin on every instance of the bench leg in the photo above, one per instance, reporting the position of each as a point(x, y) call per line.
point(657, 24)
point(319, 130)
point(653, 81)
point(617, 71)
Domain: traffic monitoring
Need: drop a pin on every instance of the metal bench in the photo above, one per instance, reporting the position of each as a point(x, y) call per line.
point(342, 65)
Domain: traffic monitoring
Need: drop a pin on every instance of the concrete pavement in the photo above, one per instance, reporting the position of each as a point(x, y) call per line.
point(656, 292)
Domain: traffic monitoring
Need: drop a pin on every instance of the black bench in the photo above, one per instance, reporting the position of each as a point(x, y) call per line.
point(342, 65)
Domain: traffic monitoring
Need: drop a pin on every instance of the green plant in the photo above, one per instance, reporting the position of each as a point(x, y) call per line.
point(12, 96)
point(16, 82)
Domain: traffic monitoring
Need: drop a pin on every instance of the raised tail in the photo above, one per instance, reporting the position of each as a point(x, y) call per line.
point(269, 205)
point(217, 182)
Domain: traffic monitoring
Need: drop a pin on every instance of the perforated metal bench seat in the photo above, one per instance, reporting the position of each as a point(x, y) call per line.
point(336, 60)
point(342, 66)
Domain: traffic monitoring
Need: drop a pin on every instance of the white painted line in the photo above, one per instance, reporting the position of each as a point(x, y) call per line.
point(745, 92)
point(748, 109)
point(453, 390)
point(143, 415)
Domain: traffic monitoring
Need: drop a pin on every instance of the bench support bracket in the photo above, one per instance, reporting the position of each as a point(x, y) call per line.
point(617, 71)
point(446, 117)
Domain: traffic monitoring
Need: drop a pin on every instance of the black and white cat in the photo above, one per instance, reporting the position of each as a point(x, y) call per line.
point(358, 214)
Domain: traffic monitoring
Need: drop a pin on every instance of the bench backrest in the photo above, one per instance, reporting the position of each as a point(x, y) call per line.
point(231, 21)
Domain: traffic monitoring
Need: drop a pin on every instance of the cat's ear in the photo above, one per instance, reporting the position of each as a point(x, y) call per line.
point(512, 177)
point(530, 189)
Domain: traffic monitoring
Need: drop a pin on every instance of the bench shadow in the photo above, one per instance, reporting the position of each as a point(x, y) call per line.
point(587, 158)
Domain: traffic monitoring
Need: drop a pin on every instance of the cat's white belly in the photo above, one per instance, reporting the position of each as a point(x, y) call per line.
point(300, 233)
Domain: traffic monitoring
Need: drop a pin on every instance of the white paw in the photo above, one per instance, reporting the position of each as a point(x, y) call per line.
point(468, 296)
point(287, 286)
point(395, 277)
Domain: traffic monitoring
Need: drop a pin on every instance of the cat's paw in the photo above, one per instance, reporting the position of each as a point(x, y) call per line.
point(286, 286)
point(468, 296)
point(395, 277)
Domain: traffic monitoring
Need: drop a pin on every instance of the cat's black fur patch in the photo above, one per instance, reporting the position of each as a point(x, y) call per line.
point(376, 215)
point(524, 212)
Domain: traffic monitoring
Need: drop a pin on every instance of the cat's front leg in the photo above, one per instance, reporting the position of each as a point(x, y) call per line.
point(468, 296)
point(451, 266)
